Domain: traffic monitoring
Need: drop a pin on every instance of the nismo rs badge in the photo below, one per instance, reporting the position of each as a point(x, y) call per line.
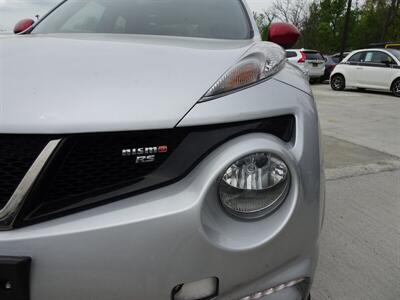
point(145, 154)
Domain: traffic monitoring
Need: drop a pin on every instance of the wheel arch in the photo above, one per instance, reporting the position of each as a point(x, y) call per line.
point(339, 69)
point(394, 80)
point(339, 73)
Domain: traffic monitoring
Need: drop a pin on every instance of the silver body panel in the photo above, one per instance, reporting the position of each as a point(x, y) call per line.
point(37, 86)
point(142, 246)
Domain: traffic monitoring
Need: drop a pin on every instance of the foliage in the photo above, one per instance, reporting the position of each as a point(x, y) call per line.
point(264, 20)
point(321, 22)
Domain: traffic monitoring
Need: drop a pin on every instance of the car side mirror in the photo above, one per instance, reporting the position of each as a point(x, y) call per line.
point(283, 34)
point(23, 25)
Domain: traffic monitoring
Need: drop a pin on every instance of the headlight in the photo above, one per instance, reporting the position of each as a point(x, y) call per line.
point(260, 62)
point(255, 185)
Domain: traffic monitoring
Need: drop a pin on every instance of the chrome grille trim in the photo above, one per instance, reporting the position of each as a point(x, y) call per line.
point(11, 209)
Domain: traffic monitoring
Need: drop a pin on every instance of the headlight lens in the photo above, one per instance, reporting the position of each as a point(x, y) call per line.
point(255, 185)
point(261, 61)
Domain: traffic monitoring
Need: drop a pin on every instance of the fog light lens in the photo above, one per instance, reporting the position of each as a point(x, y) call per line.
point(255, 185)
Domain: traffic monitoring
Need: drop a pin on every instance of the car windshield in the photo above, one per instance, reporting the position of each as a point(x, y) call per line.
point(222, 19)
point(395, 52)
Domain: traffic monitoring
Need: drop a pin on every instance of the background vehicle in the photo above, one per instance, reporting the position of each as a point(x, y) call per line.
point(336, 57)
point(331, 62)
point(159, 151)
point(330, 65)
point(386, 45)
point(311, 61)
point(377, 69)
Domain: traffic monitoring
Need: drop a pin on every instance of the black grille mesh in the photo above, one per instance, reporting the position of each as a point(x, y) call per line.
point(92, 165)
point(17, 154)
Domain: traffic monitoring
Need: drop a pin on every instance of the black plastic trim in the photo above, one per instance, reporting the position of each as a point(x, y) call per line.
point(15, 278)
point(194, 144)
point(177, 288)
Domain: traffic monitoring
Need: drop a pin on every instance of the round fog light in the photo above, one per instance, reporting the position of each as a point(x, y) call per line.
point(255, 185)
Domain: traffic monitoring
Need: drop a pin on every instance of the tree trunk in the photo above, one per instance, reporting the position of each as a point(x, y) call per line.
point(345, 30)
point(391, 13)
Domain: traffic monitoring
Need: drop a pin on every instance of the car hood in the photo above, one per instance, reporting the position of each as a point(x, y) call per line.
point(91, 83)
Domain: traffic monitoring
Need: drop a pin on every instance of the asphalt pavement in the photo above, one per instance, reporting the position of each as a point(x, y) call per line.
point(360, 243)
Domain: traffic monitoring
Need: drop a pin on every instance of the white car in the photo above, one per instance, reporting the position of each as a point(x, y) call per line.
point(311, 62)
point(376, 69)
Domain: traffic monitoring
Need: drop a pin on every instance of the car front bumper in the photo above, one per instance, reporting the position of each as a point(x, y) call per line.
point(142, 247)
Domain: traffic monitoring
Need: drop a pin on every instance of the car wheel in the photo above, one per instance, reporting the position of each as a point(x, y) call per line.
point(396, 88)
point(338, 82)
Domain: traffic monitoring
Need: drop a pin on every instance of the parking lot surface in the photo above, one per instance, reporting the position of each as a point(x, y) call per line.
point(360, 244)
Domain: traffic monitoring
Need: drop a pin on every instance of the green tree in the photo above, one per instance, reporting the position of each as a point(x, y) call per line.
point(263, 21)
point(321, 23)
point(324, 26)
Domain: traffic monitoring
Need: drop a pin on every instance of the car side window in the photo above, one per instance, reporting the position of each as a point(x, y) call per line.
point(381, 58)
point(358, 57)
point(290, 54)
point(369, 57)
point(378, 58)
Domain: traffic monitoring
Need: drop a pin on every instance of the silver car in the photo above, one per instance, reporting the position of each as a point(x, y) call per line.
point(155, 150)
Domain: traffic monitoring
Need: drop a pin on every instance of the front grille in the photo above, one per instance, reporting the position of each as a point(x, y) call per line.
point(17, 154)
point(88, 170)
point(94, 165)
point(91, 168)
